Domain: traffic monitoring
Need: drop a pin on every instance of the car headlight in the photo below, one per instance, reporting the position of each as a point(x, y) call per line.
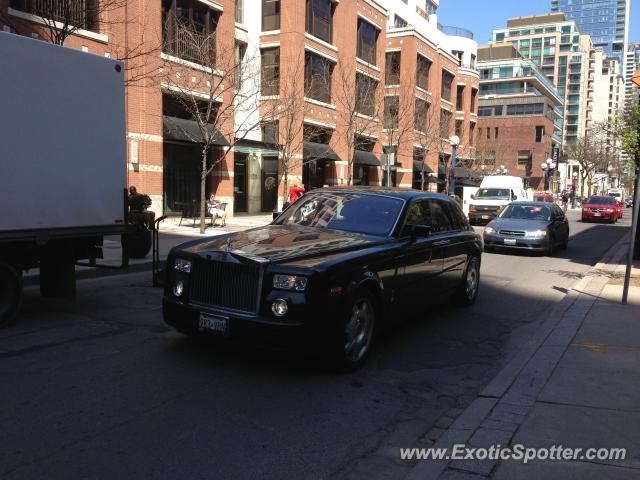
point(472, 209)
point(489, 230)
point(182, 265)
point(537, 233)
point(289, 282)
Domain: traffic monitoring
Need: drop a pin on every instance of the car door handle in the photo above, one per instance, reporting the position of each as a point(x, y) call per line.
point(442, 242)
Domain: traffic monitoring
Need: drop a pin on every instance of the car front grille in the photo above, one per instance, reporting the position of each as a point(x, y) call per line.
point(226, 285)
point(486, 209)
point(599, 210)
point(512, 233)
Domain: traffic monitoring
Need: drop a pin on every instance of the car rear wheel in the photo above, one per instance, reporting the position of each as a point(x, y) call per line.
point(352, 341)
point(467, 292)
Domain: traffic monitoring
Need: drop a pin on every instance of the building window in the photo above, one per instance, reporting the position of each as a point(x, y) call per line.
point(319, 19)
point(240, 51)
point(420, 115)
point(270, 15)
point(83, 14)
point(524, 157)
point(189, 31)
point(445, 123)
point(270, 132)
point(460, 98)
point(447, 82)
point(317, 77)
point(526, 109)
point(367, 38)
point(239, 11)
point(459, 129)
point(365, 94)
point(472, 131)
point(270, 71)
point(392, 68)
point(422, 72)
point(473, 61)
point(539, 133)
point(488, 133)
point(496, 132)
point(399, 22)
point(474, 99)
point(391, 107)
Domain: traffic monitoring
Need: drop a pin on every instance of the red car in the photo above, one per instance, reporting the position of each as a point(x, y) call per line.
point(620, 206)
point(600, 208)
point(543, 197)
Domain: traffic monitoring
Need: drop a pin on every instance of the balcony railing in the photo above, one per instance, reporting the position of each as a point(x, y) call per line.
point(82, 14)
point(190, 41)
point(455, 31)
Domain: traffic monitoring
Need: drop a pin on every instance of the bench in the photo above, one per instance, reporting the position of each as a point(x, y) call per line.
point(192, 210)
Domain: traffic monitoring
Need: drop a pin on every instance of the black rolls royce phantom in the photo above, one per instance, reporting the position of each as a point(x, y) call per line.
point(327, 273)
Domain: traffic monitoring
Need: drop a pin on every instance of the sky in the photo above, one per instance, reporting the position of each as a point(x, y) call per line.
point(482, 16)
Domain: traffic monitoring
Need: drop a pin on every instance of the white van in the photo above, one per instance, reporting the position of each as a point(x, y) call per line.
point(495, 192)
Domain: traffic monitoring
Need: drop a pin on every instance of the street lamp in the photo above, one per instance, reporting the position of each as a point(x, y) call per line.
point(609, 172)
point(455, 141)
point(547, 170)
point(573, 189)
point(501, 170)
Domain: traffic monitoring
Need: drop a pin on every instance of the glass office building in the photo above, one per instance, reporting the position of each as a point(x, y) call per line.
point(606, 21)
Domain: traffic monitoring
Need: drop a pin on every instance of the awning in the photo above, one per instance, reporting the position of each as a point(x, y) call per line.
point(418, 165)
point(183, 130)
point(319, 151)
point(366, 158)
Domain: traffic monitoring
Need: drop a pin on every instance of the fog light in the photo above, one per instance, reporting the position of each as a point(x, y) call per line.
point(279, 307)
point(178, 288)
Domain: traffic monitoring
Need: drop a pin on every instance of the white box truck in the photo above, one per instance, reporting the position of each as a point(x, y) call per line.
point(62, 164)
point(495, 192)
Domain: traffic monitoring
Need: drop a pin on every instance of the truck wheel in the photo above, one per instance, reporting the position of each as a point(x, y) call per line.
point(10, 293)
point(139, 243)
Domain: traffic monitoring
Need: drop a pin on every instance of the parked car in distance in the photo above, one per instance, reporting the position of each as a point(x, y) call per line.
point(544, 197)
point(620, 208)
point(528, 226)
point(600, 207)
point(326, 274)
point(628, 202)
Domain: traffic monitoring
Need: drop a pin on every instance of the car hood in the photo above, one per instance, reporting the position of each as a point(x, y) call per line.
point(518, 224)
point(281, 243)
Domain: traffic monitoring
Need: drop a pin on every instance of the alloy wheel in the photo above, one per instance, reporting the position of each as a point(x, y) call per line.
point(358, 330)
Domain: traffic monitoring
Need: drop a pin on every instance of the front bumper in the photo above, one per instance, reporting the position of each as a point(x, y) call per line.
point(481, 217)
point(609, 216)
point(533, 244)
point(298, 332)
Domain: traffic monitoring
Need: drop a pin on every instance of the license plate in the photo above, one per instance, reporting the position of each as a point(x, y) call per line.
point(509, 241)
point(211, 323)
point(597, 214)
point(485, 217)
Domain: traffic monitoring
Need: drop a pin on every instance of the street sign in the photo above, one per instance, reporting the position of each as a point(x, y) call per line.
point(636, 78)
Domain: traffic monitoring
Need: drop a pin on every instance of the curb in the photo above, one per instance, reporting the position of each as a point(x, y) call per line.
point(503, 405)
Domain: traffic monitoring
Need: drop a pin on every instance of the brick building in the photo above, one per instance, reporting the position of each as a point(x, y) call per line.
point(414, 70)
point(520, 115)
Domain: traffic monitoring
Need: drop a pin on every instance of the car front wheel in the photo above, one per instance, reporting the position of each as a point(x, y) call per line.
point(352, 341)
point(468, 290)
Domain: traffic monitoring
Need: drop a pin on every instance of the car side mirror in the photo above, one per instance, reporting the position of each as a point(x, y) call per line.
point(420, 230)
point(473, 196)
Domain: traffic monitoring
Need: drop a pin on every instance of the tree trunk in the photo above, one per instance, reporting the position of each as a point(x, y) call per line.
point(203, 187)
point(285, 181)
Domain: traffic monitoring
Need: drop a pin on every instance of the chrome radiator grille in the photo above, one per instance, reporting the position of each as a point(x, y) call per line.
point(225, 284)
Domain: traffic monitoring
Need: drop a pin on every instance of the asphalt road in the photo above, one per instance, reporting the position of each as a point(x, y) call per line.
point(100, 388)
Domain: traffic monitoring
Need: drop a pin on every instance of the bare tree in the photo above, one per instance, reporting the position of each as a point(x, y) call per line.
point(221, 96)
point(358, 100)
point(398, 122)
point(428, 133)
point(587, 152)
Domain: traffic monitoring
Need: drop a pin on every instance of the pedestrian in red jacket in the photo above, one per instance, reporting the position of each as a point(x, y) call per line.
point(295, 193)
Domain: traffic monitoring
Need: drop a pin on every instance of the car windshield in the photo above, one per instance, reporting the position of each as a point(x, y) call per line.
point(493, 194)
point(539, 198)
point(351, 212)
point(526, 212)
point(601, 200)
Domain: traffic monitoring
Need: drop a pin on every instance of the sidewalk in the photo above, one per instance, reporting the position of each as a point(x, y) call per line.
point(234, 224)
point(576, 385)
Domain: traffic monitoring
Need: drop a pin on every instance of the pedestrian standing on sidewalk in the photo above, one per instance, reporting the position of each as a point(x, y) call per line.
point(295, 192)
point(565, 201)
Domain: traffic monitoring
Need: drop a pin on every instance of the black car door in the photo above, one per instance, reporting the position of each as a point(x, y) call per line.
point(420, 263)
point(448, 242)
